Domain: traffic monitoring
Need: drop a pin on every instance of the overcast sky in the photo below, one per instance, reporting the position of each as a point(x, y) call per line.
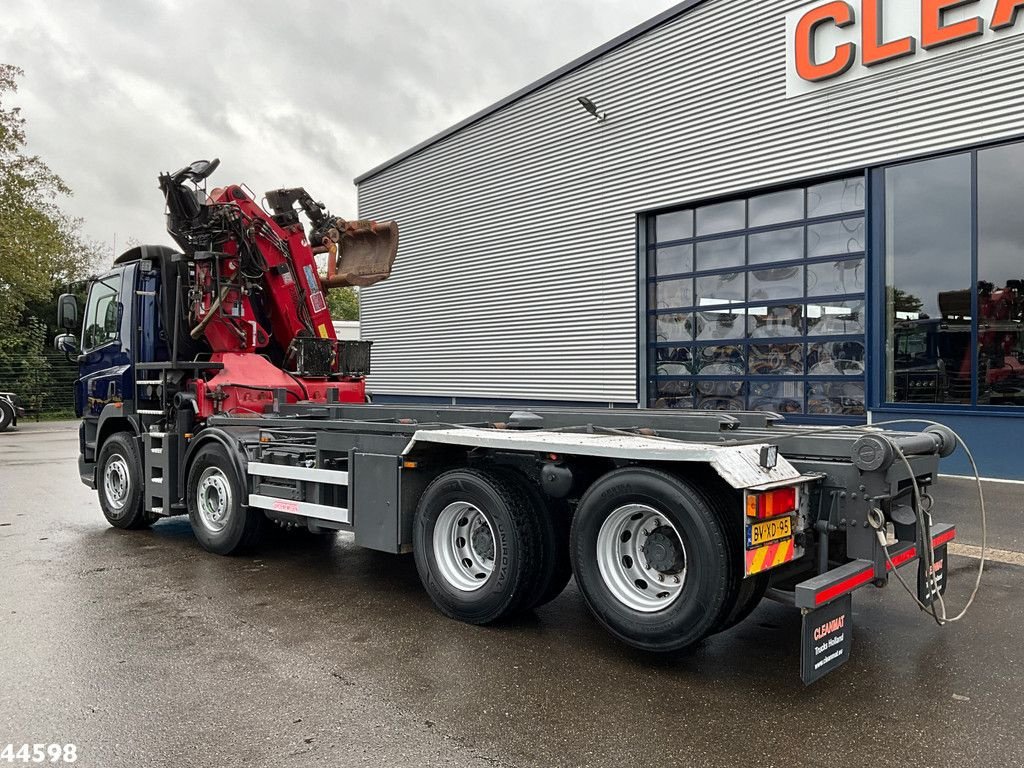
point(285, 93)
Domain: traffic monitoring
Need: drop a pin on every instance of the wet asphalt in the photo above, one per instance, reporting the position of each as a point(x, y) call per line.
point(144, 650)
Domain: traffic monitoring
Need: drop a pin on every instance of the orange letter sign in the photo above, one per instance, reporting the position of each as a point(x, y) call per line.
point(841, 14)
point(1006, 13)
point(935, 33)
point(873, 50)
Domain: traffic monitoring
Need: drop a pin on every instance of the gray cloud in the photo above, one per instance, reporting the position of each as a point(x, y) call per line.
point(303, 93)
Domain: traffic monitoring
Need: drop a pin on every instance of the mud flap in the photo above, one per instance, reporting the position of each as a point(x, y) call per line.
point(826, 639)
point(927, 592)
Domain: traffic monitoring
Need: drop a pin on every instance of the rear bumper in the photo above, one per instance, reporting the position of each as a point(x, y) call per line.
point(821, 590)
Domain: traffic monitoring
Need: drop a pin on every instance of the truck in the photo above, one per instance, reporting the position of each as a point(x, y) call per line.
point(211, 384)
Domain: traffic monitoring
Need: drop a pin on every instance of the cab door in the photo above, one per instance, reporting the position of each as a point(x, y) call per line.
point(104, 366)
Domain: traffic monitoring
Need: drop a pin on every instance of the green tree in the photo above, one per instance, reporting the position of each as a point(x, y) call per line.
point(343, 303)
point(41, 247)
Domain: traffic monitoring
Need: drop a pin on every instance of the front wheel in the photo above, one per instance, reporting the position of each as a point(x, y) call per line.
point(120, 482)
point(221, 523)
point(651, 557)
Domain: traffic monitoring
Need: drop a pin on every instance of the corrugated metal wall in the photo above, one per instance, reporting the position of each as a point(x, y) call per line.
point(517, 273)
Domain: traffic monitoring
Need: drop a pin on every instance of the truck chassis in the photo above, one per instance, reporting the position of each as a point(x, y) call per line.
point(654, 512)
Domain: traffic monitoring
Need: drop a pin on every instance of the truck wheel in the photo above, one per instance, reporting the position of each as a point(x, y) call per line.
point(751, 593)
point(747, 593)
point(554, 519)
point(6, 415)
point(120, 482)
point(651, 557)
point(220, 521)
point(476, 541)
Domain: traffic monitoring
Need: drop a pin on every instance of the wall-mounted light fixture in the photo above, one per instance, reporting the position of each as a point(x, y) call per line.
point(591, 107)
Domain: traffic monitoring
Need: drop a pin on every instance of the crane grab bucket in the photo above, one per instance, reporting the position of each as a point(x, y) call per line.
point(363, 254)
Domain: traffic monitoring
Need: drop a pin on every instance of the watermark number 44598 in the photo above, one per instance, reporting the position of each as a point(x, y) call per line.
point(38, 753)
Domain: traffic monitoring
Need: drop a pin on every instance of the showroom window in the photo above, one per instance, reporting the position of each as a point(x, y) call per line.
point(758, 303)
point(954, 266)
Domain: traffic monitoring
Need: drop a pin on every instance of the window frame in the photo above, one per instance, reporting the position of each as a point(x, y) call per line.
point(878, 352)
point(648, 246)
point(113, 280)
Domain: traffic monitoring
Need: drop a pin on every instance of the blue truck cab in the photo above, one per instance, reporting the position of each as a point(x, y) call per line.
point(120, 329)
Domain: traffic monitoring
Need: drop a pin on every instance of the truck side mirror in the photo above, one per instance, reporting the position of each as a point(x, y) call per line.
point(67, 311)
point(67, 344)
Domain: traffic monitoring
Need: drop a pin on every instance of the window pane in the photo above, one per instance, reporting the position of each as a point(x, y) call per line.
point(659, 401)
point(778, 396)
point(928, 278)
point(835, 238)
point(835, 398)
point(781, 245)
point(781, 283)
point(719, 254)
point(721, 395)
point(677, 225)
point(836, 197)
point(835, 317)
point(673, 388)
point(673, 260)
point(723, 217)
point(720, 324)
point(776, 359)
point(678, 327)
point(101, 315)
point(831, 278)
point(776, 208)
point(835, 358)
point(670, 294)
point(720, 289)
point(1001, 275)
point(772, 322)
point(725, 360)
point(673, 361)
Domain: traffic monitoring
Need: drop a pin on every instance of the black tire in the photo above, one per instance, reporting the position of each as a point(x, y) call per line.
point(752, 591)
point(214, 493)
point(749, 591)
point(708, 581)
point(744, 595)
point(6, 415)
point(554, 519)
point(513, 531)
point(120, 482)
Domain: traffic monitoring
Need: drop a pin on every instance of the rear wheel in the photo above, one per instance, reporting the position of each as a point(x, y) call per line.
point(751, 594)
point(476, 541)
point(120, 482)
point(214, 499)
point(652, 559)
point(554, 519)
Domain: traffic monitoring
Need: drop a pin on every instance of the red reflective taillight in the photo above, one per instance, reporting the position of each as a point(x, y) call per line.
point(781, 501)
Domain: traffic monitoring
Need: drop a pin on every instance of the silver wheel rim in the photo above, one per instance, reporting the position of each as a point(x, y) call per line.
point(213, 499)
point(464, 545)
point(117, 483)
point(642, 558)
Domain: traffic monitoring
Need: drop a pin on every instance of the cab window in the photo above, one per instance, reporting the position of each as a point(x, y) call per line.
point(101, 313)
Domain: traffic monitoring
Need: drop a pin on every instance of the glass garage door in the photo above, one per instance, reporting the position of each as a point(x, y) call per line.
point(758, 303)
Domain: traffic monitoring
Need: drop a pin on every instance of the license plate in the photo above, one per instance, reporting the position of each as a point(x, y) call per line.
point(769, 530)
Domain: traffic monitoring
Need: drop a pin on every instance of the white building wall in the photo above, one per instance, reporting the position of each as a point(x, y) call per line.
point(517, 275)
